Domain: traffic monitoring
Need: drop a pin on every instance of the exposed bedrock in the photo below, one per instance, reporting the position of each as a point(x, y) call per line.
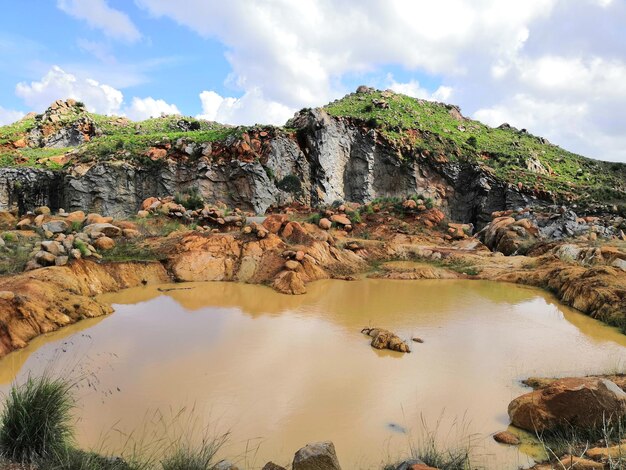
point(332, 158)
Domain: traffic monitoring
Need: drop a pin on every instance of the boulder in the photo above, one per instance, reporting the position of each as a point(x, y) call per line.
point(106, 229)
point(97, 219)
point(7, 219)
point(325, 224)
point(340, 219)
point(317, 456)
point(104, 243)
point(52, 247)
point(42, 210)
point(274, 222)
point(579, 402)
point(131, 233)
point(56, 226)
point(44, 258)
point(76, 217)
point(289, 282)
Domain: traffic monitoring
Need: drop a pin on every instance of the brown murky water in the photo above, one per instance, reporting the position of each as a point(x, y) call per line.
point(279, 371)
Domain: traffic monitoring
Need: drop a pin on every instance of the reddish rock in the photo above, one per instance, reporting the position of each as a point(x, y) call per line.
point(20, 143)
point(578, 402)
point(104, 243)
point(325, 224)
point(147, 203)
point(274, 222)
point(507, 438)
point(340, 219)
point(155, 153)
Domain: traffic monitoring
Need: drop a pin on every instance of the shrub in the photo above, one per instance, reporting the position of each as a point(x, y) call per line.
point(82, 247)
point(314, 219)
point(472, 142)
point(36, 420)
point(74, 459)
point(191, 200)
point(290, 184)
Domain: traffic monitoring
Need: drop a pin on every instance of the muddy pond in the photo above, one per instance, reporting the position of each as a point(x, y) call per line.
point(277, 372)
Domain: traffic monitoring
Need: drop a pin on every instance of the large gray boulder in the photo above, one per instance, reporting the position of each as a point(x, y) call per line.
point(316, 456)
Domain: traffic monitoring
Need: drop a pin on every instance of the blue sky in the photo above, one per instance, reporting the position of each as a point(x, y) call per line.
point(556, 67)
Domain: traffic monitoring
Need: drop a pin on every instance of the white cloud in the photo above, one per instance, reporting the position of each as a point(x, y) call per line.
point(144, 108)
point(9, 116)
point(98, 14)
point(99, 98)
point(58, 84)
point(414, 89)
point(537, 61)
point(251, 108)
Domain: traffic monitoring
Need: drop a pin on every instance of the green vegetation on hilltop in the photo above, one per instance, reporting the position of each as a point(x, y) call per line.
point(510, 153)
point(115, 138)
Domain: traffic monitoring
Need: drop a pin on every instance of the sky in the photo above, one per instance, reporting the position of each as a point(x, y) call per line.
point(554, 67)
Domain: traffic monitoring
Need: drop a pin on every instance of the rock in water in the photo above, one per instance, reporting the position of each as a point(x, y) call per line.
point(505, 437)
point(317, 456)
point(385, 339)
point(578, 402)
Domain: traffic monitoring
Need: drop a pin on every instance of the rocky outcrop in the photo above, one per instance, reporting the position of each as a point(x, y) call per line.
point(385, 339)
point(331, 159)
point(577, 402)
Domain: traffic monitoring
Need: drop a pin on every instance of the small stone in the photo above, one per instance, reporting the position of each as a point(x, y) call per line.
point(317, 456)
point(61, 260)
point(52, 247)
point(76, 254)
point(272, 466)
point(505, 437)
point(292, 265)
point(143, 214)
point(6, 295)
point(418, 340)
point(300, 255)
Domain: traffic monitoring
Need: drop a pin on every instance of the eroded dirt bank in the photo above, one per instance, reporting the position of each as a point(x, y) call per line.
point(44, 300)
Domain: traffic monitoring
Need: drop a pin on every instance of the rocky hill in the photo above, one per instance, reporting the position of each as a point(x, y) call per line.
point(368, 145)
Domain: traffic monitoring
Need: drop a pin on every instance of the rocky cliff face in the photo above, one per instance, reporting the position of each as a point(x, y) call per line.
point(333, 158)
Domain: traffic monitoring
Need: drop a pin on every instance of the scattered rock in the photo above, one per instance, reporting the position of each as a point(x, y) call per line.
point(272, 466)
point(106, 229)
point(325, 224)
point(317, 456)
point(56, 226)
point(224, 465)
point(104, 243)
point(43, 258)
point(505, 437)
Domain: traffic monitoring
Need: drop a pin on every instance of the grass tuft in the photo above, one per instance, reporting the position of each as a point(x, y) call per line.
point(36, 421)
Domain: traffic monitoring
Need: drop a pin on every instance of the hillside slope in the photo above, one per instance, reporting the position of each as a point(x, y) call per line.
point(367, 145)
